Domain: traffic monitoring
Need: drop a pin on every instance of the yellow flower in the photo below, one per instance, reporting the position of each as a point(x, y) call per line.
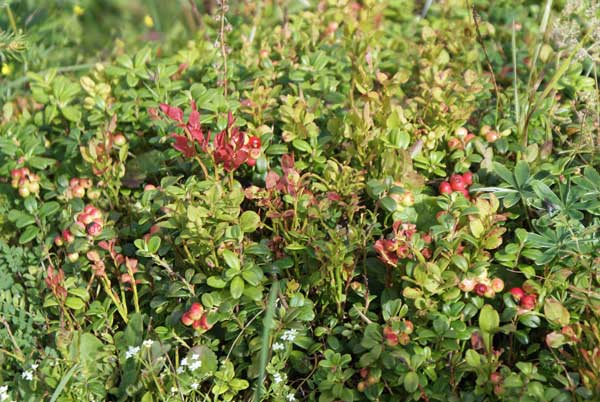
point(148, 21)
point(78, 10)
point(6, 69)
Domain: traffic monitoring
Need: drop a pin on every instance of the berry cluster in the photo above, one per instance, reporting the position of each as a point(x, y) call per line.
point(27, 182)
point(91, 220)
point(484, 287)
point(526, 299)
point(400, 336)
point(458, 183)
point(489, 134)
point(463, 137)
point(78, 186)
point(196, 317)
point(400, 245)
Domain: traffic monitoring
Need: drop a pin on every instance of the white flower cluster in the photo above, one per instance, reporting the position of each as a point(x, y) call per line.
point(289, 335)
point(132, 351)
point(192, 366)
point(4, 393)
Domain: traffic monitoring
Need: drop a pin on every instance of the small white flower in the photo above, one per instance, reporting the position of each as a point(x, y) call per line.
point(277, 378)
point(290, 397)
point(28, 375)
point(195, 365)
point(184, 362)
point(194, 385)
point(173, 390)
point(4, 389)
point(132, 351)
point(289, 335)
point(180, 370)
point(195, 356)
point(148, 343)
point(34, 366)
point(278, 346)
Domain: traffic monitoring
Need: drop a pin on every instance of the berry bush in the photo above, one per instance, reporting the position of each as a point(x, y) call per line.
point(334, 200)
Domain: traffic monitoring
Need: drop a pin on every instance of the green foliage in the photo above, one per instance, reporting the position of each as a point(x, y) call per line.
point(299, 201)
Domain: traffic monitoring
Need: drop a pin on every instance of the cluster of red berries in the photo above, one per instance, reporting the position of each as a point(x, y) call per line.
point(483, 287)
point(26, 181)
point(392, 250)
point(78, 186)
point(489, 134)
point(398, 336)
point(463, 137)
point(254, 152)
point(368, 379)
point(458, 183)
point(196, 317)
point(526, 299)
point(91, 219)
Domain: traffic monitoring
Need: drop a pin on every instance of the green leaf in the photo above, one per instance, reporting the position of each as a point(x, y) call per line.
point(71, 113)
point(231, 259)
point(411, 381)
point(49, 208)
point(216, 282)
point(555, 312)
point(521, 173)
point(153, 244)
point(75, 303)
point(249, 221)
point(504, 173)
point(489, 320)
point(237, 287)
point(473, 358)
point(29, 234)
point(389, 204)
point(302, 145)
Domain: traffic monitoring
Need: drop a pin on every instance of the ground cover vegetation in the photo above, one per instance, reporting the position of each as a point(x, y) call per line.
point(283, 200)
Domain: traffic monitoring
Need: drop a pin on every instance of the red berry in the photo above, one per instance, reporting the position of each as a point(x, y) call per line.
point(251, 162)
point(196, 324)
point(491, 136)
point(528, 302)
point(454, 143)
point(391, 338)
point(119, 140)
point(497, 284)
point(204, 322)
point(94, 229)
point(186, 320)
point(196, 311)
point(58, 241)
point(480, 289)
point(517, 293)
point(495, 377)
point(457, 183)
point(254, 142)
point(445, 188)
point(67, 236)
point(468, 178)
point(465, 192)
